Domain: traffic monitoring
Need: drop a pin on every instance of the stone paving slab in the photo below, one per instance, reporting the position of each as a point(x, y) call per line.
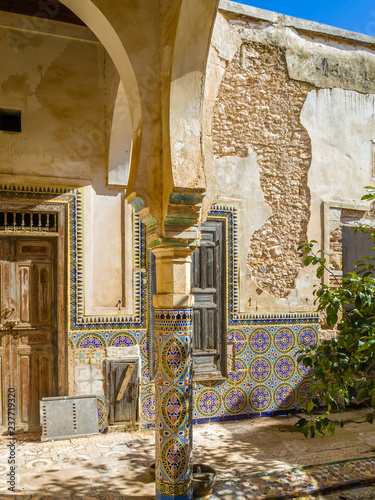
point(296, 482)
point(258, 459)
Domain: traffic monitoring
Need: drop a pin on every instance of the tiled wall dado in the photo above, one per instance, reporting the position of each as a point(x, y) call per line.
point(265, 377)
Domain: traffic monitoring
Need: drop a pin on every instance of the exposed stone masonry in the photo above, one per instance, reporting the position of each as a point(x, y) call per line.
point(335, 236)
point(335, 256)
point(258, 106)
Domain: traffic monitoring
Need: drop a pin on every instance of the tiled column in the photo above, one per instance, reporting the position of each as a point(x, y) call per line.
point(173, 383)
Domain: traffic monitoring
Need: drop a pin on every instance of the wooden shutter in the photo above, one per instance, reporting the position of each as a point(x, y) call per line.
point(124, 411)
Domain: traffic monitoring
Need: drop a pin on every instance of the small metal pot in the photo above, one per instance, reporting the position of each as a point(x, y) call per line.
point(204, 478)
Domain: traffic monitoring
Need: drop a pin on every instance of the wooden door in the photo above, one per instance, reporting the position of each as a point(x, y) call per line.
point(27, 327)
point(208, 279)
point(354, 247)
point(123, 409)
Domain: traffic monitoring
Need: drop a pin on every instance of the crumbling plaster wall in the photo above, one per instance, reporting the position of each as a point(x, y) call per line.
point(64, 83)
point(283, 145)
point(55, 81)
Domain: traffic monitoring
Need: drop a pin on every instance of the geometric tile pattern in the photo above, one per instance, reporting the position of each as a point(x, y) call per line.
point(173, 391)
point(208, 402)
point(78, 321)
point(148, 408)
point(265, 378)
point(89, 379)
point(265, 385)
point(103, 339)
point(260, 398)
point(102, 414)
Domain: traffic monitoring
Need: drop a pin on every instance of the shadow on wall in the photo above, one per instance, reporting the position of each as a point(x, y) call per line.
point(266, 379)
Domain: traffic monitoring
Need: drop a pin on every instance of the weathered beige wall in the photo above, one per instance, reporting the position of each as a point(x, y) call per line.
point(59, 85)
point(341, 124)
point(285, 144)
point(65, 85)
point(108, 254)
point(257, 126)
point(120, 140)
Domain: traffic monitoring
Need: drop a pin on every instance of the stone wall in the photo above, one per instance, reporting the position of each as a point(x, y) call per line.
point(339, 218)
point(258, 108)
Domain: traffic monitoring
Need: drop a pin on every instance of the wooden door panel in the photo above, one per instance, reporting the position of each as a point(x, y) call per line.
point(197, 327)
point(205, 291)
point(210, 266)
point(6, 312)
point(14, 377)
point(207, 287)
point(3, 249)
point(122, 409)
point(33, 390)
point(211, 328)
point(2, 392)
point(25, 387)
point(33, 249)
point(34, 338)
point(195, 279)
point(125, 410)
point(26, 274)
point(25, 293)
point(43, 279)
point(13, 293)
point(45, 376)
point(35, 377)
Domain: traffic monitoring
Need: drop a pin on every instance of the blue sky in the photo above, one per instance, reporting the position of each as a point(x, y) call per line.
point(352, 15)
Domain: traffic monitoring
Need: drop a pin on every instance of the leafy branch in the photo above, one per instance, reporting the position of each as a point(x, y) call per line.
point(343, 367)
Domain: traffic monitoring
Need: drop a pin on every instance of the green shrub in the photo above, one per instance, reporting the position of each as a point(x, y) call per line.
point(343, 367)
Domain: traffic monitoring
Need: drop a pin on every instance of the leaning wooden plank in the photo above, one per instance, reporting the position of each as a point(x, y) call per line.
point(125, 382)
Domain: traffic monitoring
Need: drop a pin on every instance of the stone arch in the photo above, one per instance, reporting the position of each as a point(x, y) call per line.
point(220, 55)
point(120, 140)
point(96, 20)
point(188, 71)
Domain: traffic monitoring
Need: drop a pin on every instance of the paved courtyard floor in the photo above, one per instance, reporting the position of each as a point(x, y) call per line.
point(258, 459)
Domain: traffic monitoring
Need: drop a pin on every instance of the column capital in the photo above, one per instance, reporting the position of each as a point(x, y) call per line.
point(173, 283)
point(167, 252)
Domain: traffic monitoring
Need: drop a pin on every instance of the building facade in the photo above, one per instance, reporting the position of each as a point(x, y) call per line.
point(286, 140)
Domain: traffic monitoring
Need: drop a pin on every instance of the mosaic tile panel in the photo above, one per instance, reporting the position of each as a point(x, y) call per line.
point(88, 356)
point(78, 321)
point(102, 414)
point(208, 403)
point(89, 380)
point(148, 408)
point(173, 388)
point(271, 338)
point(265, 378)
